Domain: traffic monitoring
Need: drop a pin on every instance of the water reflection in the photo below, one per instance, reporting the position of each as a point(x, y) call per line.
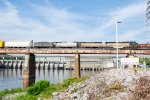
point(13, 78)
point(28, 82)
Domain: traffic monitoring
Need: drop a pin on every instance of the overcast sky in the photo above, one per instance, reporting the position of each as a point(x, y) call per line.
point(72, 20)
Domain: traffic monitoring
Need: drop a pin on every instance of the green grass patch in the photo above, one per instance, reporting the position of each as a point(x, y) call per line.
point(74, 90)
point(39, 87)
point(141, 68)
point(44, 89)
point(70, 81)
point(11, 91)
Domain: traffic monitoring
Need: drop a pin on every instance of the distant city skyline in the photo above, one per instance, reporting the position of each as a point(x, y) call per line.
point(72, 20)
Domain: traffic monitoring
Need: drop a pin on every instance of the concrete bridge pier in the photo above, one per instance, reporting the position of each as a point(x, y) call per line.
point(77, 73)
point(39, 65)
point(11, 64)
point(68, 65)
point(20, 65)
point(63, 65)
point(43, 65)
point(29, 70)
point(54, 65)
point(3, 62)
point(16, 64)
point(58, 65)
point(7, 64)
point(48, 67)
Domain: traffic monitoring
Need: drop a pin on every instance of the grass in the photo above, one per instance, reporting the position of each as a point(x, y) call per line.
point(11, 91)
point(73, 91)
point(116, 86)
point(141, 68)
point(44, 89)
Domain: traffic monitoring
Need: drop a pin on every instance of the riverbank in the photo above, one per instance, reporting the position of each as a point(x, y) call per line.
point(126, 84)
point(122, 84)
point(42, 89)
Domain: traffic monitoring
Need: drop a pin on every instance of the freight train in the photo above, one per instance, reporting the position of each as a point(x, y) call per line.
point(108, 45)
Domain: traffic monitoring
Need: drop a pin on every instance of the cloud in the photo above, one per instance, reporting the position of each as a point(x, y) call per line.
point(52, 23)
point(126, 13)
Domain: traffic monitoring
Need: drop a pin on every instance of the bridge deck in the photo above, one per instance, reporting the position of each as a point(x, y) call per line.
point(69, 51)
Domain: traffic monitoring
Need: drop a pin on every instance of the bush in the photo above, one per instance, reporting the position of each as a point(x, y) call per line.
point(68, 82)
point(38, 87)
point(74, 90)
point(116, 86)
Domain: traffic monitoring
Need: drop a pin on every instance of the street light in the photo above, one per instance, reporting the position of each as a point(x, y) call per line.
point(117, 40)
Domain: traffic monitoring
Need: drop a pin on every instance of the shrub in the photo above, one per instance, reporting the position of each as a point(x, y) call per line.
point(68, 82)
point(74, 90)
point(38, 87)
point(116, 86)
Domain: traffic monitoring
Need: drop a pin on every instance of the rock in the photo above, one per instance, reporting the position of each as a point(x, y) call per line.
point(86, 96)
point(55, 93)
point(39, 99)
point(98, 87)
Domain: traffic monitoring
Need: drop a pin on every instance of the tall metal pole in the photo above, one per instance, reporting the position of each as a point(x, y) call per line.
point(117, 41)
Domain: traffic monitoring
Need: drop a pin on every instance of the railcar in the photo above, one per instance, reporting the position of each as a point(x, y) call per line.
point(66, 45)
point(91, 45)
point(43, 44)
point(19, 44)
point(141, 46)
point(120, 44)
point(1, 44)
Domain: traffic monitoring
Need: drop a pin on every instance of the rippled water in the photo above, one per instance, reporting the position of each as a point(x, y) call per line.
point(13, 78)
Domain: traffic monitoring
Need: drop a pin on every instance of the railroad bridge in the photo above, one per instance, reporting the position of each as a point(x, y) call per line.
point(29, 68)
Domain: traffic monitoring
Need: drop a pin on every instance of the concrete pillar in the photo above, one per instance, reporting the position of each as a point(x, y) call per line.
point(54, 65)
point(48, 65)
point(77, 73)
point(12, 64)
point(20, 64)
point(7, 64)
point(39, 65)
point(29, 70)
point(16, 64)
point(43, 65)
point(58, 65)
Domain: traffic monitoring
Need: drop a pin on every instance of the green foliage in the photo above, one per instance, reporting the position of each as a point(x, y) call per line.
point(27, 97)
point(43, 89)
point(70, 81)
point(48, 92)
point(11, 91)
point(116, 86)
point(74, 90)
point(143, 59)
point(38, 87)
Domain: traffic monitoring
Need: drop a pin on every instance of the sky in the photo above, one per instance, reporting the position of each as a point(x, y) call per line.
point(73, 20)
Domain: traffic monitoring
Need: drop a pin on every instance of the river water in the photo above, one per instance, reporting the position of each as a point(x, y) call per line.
point(13, 78)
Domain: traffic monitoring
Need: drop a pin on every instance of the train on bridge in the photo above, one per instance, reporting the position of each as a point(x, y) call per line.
point(108, 45)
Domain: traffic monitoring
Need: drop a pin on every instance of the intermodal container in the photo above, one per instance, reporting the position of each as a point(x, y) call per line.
point(91, 44)
point(120, 44)
point(43, 44)
point(66, 45)
point(18, 44)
